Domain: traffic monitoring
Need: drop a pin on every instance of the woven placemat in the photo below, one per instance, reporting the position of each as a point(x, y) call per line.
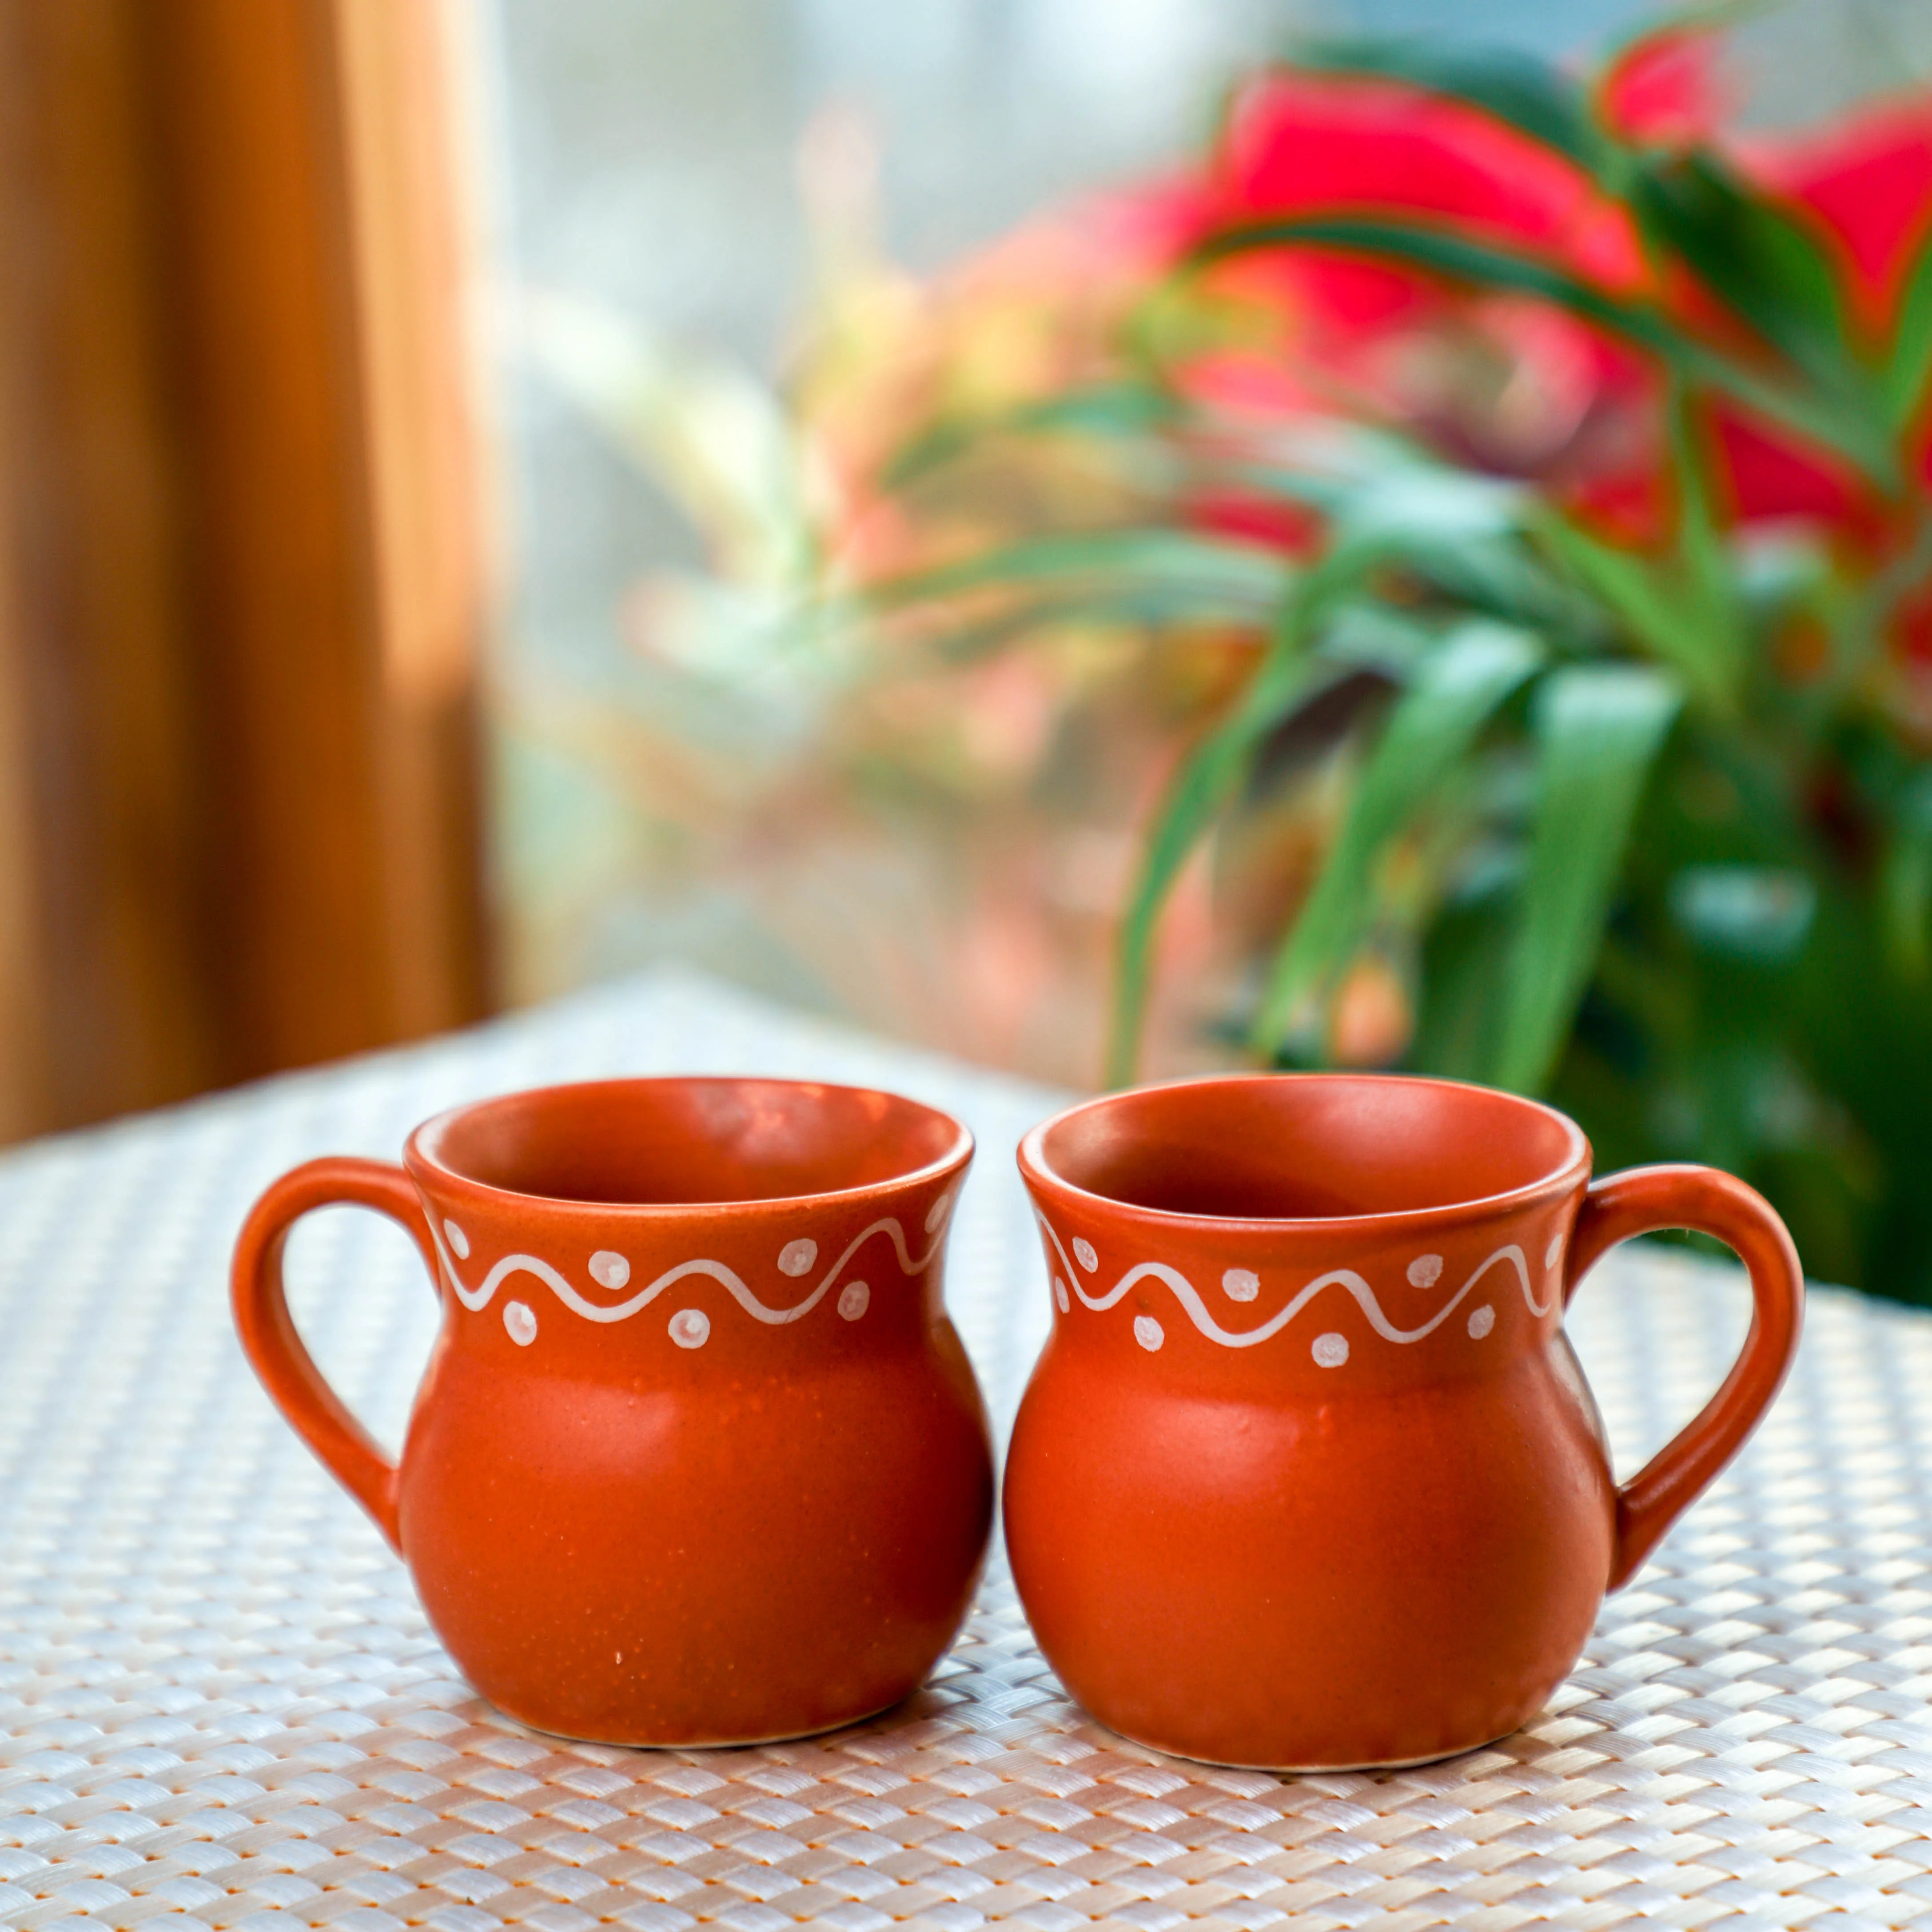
point(222, 1707)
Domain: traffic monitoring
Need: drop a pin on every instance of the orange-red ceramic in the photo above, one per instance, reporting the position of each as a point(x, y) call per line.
point(1307, 1475)
point(697, 1458)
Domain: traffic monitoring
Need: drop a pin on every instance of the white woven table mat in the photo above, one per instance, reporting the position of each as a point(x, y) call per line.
point(222, 1707)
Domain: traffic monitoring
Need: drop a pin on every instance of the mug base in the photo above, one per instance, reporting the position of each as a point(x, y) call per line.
point(1315, 1770)
point(783, 1736)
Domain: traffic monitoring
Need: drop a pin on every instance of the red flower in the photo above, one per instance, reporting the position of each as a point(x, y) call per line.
point(1768, 478)
point(1305, 144)
point(1511, 386)
point(1864, 189)
point(1309, 144)
point(1867, 184)
point(1662, 90)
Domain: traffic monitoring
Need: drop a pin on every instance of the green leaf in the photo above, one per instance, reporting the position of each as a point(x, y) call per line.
point(1680, 610)
point(1455, 692)
point(1598, 729)
point(1214, 771)
point(1428, 510)
point(1455, 529)
point(1098, 557)
point(1208, 778)
point(1461, 991)
point(1905, 885)
point(1698, 543)
point(1852, 431)
point(1153, 608)
point(1756, 258)
point(1533, 96)
point(1438, 506)
point(1861, 630)
point(1626, 581)
point(1908, 370)
point(1511, 582)
point(1444, 253)
point(1124, 410)
point(1464, 531)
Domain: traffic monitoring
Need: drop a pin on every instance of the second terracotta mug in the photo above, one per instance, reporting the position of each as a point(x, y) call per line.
point(697, 1458)
point(1307, 1476)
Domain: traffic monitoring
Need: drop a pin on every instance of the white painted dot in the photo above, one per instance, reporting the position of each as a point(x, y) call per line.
point(521, 1323)
point(1481, 1321)
point(1062, 1299)
point(935, 1215)
point(1553, 1253)
point(1241, 1284)
point(1331, 1351)
point(1083, 1253)
point(457, 1239)
point(1426, 1270)
point(1147, 1332)
point(691, 1327)
point(854, 1298)
point(795, 1257)
point(608, 1270)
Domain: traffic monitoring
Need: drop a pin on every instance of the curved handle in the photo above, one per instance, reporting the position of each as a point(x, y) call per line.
point(1644, 1201)
point(268, 1338)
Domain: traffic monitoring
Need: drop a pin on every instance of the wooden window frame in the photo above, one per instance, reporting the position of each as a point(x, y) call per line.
point(243, 571)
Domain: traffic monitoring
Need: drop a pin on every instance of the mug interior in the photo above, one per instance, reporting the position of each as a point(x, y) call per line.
point(1309, 1147)
point(686, 1142)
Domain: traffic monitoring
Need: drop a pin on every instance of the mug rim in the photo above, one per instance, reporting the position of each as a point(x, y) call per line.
point(1575, 1167)
point(422, 1160)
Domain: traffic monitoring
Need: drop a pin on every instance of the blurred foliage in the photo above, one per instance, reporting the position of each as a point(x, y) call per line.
point(1547, 466)
point(921, 820)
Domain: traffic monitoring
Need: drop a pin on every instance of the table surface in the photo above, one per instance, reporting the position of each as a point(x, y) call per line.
point(222, 1705)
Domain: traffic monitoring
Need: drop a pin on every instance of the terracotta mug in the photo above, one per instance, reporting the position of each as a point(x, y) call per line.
point(1307, 1476)
point(698, 1457)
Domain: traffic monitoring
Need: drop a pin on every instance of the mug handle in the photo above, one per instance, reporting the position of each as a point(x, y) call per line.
point(268, 1338)
point(1645, 1201)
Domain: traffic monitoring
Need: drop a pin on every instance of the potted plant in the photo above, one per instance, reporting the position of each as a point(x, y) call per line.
point(1547, 470)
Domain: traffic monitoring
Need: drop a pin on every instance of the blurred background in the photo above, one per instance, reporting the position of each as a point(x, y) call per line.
point(496, 494)
point(713, 183)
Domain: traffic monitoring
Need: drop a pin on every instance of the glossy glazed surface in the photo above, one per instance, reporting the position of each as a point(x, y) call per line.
point(680, 1470)
point(1306, 1474)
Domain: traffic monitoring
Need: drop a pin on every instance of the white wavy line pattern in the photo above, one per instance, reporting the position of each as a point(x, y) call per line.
point(1190, 1298)
point(478, 1298)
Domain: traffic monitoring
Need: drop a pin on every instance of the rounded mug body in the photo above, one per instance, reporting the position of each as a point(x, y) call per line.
point(1306, 1475)
point(698, 1457)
